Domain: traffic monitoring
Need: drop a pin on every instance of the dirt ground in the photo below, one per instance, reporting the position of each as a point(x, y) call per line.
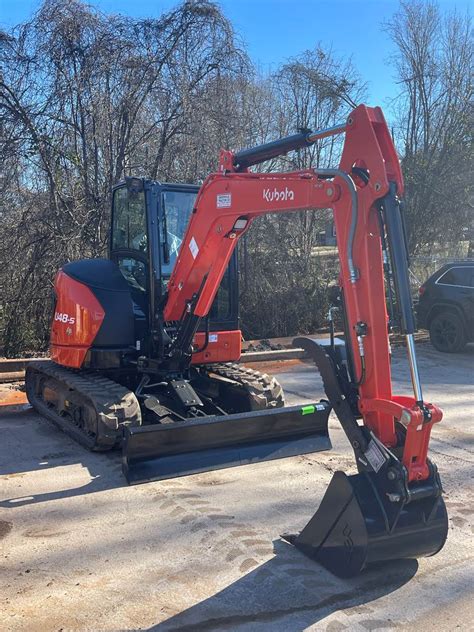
point(79, 550)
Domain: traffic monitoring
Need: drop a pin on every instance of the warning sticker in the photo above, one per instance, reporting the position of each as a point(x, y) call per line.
point(193, 247)
point(224, 200)
point(213, 337)
point(374, 456)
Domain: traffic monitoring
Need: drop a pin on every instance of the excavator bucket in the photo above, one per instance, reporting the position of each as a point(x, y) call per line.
point(356, 525)
point(156, 452)
point(372, 516)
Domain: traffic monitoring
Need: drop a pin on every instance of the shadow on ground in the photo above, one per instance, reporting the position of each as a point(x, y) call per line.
point(33, 444)
point(98, 483)
point(290, 593)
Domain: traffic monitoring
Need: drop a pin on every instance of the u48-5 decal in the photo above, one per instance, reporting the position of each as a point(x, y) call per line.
point(64, 318)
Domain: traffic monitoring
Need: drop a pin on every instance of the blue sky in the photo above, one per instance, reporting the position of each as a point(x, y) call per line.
point(274, 30)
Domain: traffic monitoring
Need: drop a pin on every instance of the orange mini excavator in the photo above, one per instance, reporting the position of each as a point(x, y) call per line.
point(144, 345)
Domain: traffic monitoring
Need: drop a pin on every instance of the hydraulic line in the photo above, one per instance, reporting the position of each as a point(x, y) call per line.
point(353, 272)
point(332, 173)
point(206, 336)
point(387, 269)
point(331, 325)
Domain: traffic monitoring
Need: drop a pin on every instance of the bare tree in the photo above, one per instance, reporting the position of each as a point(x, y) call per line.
point(285, 279)
point(86, 98)
point(434, 63)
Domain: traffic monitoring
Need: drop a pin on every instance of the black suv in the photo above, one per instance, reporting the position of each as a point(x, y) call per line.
point(446, 306)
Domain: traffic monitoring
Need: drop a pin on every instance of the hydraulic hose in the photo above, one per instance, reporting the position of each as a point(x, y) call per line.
point(353, 272)
point(332, 173)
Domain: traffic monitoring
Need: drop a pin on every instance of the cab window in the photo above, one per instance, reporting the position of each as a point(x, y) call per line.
point(129, 220)
point(220, 309)
point(134, 272)
point(178, 206)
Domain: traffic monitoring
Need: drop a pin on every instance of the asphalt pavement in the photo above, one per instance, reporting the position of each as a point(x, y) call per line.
point(80, 550)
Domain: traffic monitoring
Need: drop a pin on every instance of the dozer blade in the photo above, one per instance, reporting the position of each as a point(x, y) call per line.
point(356, 526)
point(156, 452)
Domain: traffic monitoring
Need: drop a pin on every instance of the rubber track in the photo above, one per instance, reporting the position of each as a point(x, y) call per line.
point(265, 391)
point(114, 404)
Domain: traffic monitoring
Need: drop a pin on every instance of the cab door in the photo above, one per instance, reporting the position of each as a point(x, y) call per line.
point(129, 247)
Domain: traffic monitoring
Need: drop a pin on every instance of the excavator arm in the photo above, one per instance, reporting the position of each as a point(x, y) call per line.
point(364, 194)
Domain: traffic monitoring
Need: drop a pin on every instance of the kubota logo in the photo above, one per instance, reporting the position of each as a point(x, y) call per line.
point(274, 195)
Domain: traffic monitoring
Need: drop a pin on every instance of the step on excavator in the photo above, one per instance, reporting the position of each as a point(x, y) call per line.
point(145, 344)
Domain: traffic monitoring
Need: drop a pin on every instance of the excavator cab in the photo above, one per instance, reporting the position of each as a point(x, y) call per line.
point(149, 220)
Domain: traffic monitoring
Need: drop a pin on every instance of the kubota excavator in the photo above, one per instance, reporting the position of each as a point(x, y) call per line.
point(144, 345)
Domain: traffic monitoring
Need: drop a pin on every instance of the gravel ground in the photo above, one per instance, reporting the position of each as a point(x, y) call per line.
point(80, 550)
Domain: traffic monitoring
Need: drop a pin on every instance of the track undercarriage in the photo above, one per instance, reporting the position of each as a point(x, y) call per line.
point(225, 415)
point(94, 409)
point(89, 407)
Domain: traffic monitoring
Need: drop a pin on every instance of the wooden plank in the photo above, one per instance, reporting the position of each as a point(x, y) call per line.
point(12, 376)
point(8, 365)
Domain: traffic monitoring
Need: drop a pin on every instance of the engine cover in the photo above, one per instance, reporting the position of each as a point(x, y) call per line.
point(94, 309)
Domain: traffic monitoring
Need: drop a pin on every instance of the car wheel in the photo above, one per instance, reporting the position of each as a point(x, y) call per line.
point(447, 332)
